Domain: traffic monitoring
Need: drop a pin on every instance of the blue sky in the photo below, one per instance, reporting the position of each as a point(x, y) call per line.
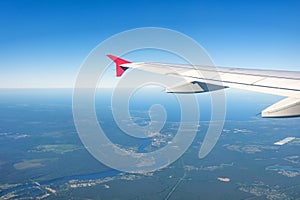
point(44, 42)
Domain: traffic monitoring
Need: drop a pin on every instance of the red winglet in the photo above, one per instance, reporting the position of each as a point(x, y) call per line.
point(119, 61)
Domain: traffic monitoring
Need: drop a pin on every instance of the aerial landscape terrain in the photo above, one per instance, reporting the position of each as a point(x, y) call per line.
point(42, 156)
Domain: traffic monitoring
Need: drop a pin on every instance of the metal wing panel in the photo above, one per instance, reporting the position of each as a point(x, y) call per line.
point(239, 78)
point(281, 83)
point(291, 84)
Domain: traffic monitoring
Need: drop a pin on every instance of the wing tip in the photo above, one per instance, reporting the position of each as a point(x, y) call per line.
point(118, 61)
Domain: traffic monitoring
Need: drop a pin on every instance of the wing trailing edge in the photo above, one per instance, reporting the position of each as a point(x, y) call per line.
point(194, 87)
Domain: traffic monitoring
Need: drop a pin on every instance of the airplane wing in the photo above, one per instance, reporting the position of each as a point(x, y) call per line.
point(206, 78)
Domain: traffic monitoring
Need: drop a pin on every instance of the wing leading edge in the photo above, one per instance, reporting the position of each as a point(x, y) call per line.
point(207, 79)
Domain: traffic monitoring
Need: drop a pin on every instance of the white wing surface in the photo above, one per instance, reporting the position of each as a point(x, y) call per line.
point(206, 78)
